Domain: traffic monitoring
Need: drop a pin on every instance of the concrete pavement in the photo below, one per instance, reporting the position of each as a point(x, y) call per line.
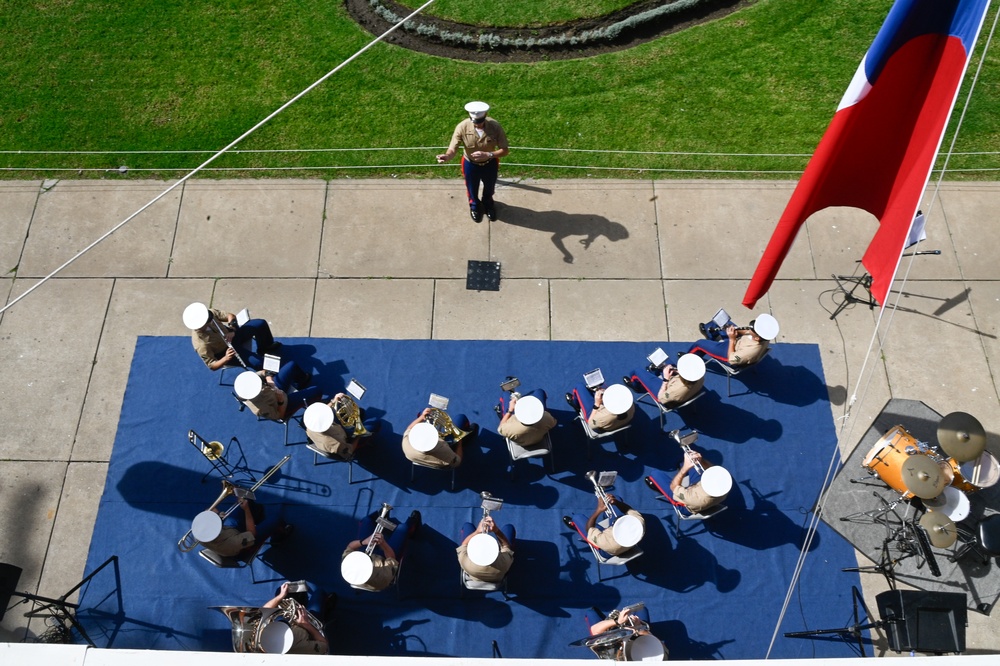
point(387, 258)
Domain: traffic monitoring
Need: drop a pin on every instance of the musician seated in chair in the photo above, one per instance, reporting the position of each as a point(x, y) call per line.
point(205, 325)
point(306, 637)
point(679, 383)
point(632, 646)
point(705, 488)
point(610, 540)
point(326, 432)
point(487, 551)
point(423, 444)
point(382, 565)
point(525, 421)
point(238, 534)
point(269, 397)
point(609, 409)
point(738, 347)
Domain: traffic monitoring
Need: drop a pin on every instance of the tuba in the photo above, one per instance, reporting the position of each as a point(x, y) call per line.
point(349, 415)
point(442, 423)
point(250, 624)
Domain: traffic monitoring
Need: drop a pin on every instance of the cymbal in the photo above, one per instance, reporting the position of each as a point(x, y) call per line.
point(940, 529)
point(923, 476)
point(961, 436)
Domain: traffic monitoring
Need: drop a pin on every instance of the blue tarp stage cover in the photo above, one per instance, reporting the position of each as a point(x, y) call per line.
point(713, 591)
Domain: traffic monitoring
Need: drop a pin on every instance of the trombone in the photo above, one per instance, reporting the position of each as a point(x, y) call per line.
point(187, 543)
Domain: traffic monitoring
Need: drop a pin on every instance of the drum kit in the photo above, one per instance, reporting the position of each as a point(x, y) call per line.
point(942, 477)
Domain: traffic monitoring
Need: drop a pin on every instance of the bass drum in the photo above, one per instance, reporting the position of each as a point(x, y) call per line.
point(890, 452)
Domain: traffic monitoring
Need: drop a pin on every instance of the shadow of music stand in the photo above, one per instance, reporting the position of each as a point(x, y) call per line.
point(59, 608)
point(850, 634)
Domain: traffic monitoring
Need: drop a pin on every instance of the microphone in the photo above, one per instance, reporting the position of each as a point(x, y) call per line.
point(917, 254)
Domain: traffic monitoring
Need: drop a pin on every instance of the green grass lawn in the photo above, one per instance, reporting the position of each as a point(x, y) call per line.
point(192, 76)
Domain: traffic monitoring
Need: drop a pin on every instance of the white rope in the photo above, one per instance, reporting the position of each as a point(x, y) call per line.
point(846, 433)
point(220, 153)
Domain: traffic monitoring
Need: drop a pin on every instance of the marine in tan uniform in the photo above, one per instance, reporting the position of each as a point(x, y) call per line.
point(525, 422)
point(485, 564)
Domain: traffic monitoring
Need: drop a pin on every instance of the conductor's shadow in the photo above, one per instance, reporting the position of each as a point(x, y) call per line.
point(761, 527)
point(564, 225)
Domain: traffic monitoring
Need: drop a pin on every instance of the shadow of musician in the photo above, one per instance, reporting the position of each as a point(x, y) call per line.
point(564, 225)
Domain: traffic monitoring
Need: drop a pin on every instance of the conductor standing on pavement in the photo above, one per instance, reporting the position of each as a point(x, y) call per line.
point(484, 143)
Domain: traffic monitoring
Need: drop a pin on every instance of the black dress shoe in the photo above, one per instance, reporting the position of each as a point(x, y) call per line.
point(569, 522)
point(491, 213)
point(496, 408)
point(416, 521)
point(475, 215)
point(704, 331)
point(649, 482)
point(571, 399)
point(274, 348)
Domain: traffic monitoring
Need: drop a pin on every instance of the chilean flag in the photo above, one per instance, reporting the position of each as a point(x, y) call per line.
point(879, 149)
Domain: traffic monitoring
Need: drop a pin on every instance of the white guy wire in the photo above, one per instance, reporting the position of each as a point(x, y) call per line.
point(220, 153)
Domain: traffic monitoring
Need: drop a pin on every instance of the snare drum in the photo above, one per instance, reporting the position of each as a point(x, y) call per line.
point(886, 459)
point(977, 474)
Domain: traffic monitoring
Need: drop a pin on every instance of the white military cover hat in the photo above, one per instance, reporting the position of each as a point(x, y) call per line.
point(195, 316)
point(645, 647)
point(248, 385)
point(276, 638)
point(477, 109)
point(618, 399)
point(357, 568)
point(628, 530)
point(691, 367)
point(766, 326)
point(484, 549)
point(423, 437)
point(206, 526)
point(528, 410)
point(716, 481)
point(318, 417)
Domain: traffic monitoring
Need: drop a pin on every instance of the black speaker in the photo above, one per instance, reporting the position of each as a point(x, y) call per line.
point(924, 621)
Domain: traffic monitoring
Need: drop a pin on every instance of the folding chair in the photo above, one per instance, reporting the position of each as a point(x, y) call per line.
point(731, 372)
point(470, 583)
point(594, 436)
point(682, 513)
point(222, 373)
point(518, 452)
point(611, 560)
point(244, 561)
point(283, 422)
point(414, 465)
point(654, 398)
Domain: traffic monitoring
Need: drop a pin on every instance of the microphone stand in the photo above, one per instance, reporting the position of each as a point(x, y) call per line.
point(864, 281)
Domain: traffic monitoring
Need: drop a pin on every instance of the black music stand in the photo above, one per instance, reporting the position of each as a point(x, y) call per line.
point(850, 634)
point(58, 608)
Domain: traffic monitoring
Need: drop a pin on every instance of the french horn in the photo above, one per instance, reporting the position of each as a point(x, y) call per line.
point(443, 424)
point(349, 415)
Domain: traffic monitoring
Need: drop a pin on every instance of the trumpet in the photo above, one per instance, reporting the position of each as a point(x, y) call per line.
point(490, 503)
point(443, 424)
point(349, 415)
point(689, 452)
point(187, 543)
point(218, 327)
point(609, 508)
point(382, 523)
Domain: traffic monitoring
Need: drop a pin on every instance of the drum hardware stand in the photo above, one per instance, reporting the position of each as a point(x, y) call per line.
point(496, 651)
point(852, 635)
point(885, 566)
point(877, 516)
